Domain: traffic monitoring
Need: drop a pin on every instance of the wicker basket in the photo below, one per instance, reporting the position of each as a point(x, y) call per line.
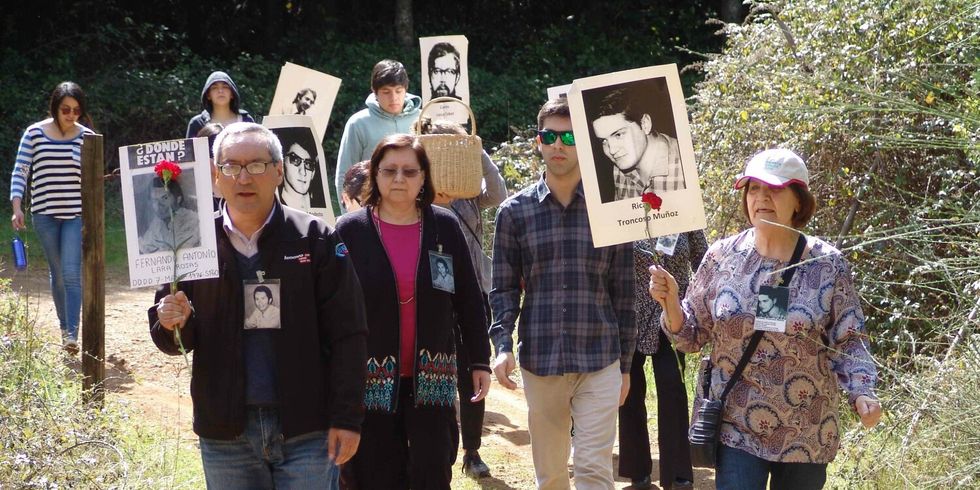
point(457, 167)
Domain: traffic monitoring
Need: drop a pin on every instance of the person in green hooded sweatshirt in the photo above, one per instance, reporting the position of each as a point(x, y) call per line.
point(390, 110)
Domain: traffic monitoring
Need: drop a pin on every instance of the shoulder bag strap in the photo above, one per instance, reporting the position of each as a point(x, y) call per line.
point(757, 336)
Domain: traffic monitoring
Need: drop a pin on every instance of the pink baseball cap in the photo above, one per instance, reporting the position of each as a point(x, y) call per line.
point(777, 167)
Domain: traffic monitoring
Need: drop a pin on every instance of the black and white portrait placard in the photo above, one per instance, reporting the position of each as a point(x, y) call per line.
point(445, 74)
point(160, 219)
point(304, 168)
point(306, 92)
point(632, 137)
point(558, 91)
point(262, 304)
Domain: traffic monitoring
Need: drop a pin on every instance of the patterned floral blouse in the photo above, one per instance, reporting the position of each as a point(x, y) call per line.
point(688, 252)
point(785, 406)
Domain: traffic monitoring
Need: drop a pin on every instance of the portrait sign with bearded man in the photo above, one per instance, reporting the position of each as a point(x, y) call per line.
point(444, 74)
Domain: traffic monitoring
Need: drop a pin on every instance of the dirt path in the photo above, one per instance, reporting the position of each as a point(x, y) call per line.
point(157, 385)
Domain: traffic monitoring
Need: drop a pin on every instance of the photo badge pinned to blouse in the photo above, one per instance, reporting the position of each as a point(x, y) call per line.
point(441, 267)
point(770, 312)
point(667, 243)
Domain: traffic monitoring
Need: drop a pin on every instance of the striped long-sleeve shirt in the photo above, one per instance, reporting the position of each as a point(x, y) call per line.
point(54, 168)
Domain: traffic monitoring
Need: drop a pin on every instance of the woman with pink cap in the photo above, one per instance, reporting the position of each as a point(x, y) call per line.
point(780, 423)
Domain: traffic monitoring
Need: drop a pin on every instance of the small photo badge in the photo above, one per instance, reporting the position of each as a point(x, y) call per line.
point(441, 266)
point(261, 304)
point(770, 314)
point(667, 243)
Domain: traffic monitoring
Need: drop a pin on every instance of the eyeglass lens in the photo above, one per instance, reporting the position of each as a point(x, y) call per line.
point(549, 137)
point(295, 160)
point(254, 168)
point(408, 173)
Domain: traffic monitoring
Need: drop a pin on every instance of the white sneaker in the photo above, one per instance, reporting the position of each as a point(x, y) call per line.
point(70, 346)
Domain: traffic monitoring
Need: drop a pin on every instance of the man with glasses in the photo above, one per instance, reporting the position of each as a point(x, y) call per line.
point(643, 159)
point(274, 407)
point(443, 70)
point(576, 319)
point(301, 187)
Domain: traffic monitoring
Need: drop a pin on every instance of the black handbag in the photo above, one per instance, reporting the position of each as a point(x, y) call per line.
point(707, 419)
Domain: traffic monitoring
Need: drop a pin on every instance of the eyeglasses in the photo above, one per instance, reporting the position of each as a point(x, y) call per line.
point(548, 137)
point(408, 173)
point(65, 110)
point(295, 160)
point(254, 168)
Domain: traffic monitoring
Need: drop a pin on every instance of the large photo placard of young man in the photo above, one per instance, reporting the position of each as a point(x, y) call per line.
point(634, 145)
point(303, 166)
point(168, 211)
point(305, 92)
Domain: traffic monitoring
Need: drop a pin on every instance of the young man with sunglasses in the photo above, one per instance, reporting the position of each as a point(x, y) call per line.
point(280, 405)
point(577, 332)
point(643, 159)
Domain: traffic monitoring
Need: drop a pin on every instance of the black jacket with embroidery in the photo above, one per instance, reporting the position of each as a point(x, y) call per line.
point(440, 316)
point(321, 347)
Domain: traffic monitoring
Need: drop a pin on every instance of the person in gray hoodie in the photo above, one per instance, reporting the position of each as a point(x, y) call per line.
point(221, 103)
point(390, 110)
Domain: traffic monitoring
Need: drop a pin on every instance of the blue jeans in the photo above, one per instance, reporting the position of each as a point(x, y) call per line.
point(260, 458)
point(739, 470)
point(61, 240)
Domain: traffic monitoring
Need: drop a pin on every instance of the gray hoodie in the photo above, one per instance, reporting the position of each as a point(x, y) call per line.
point(366, 128)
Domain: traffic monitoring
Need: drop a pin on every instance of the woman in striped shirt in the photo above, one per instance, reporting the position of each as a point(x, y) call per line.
point(50, 156)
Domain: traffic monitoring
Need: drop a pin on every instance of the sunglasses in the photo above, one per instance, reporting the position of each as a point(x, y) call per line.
point(408, 173)
point(548, 137)
point(65, 110)
point(295, 160)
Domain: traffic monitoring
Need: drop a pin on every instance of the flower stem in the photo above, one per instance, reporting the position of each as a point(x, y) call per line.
point(173, 284)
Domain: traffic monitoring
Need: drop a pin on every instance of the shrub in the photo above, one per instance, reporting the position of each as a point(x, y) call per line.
point(881, 99)
point(50, 439)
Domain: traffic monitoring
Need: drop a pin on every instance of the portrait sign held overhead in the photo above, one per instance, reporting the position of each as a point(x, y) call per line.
point(164, 216)
point(305, 92)
point(445, 74)
point(303, 167)
point(633, 139)
point(558, 91)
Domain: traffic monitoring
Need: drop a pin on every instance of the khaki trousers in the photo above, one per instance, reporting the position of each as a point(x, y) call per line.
point(592, 399)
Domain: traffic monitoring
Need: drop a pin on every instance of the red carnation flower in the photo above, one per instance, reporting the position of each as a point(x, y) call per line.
point(652, 201)
point(167, 170)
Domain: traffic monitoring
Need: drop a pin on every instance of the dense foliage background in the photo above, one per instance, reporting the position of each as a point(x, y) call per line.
point(143, 63)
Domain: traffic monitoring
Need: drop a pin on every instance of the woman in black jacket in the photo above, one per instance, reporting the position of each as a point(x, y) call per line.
point(410, 437)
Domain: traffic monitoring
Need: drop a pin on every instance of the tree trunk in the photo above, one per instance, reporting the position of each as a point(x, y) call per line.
point(404, 24)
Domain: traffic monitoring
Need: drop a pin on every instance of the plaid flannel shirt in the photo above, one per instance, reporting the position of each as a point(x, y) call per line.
point(629, 185)
point(577, 314)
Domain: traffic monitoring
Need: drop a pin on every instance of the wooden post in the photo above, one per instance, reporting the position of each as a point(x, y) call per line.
point(93, 270)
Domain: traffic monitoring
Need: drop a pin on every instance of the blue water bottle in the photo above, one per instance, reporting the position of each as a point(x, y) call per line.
point(20, 255)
